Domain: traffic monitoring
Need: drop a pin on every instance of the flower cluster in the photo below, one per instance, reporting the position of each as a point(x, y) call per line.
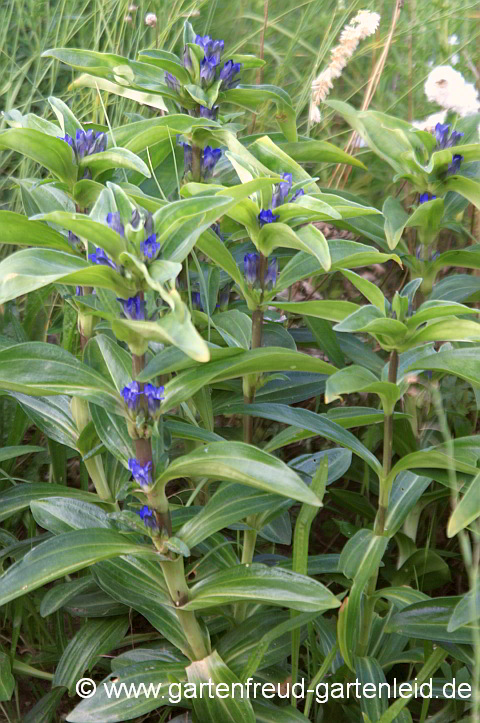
point(149, 247)
point(449, 89)
point(444, 140)
point(454, 166)
point(101, 258)
point(209, 67)
point(131, 393)
point(210, 158)
point(251, 266)
point(279, 197)
point(86, 143)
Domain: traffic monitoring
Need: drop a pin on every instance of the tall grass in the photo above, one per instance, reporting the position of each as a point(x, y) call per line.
point(298, 38)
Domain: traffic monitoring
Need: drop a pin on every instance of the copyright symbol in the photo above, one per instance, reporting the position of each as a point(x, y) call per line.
point(86, 688)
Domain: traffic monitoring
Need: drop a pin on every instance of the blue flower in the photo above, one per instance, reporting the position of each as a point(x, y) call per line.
point(86, 143)
point(250, 268)
point(101, 258)
point(207, 70)
point(150, 247)
point(211, 156)
point(454, 166)
point(267, 217)
point(207, 113)
point(224, 298)
point(148, 516)
point(133, 307)
point(187, 157)
point(443, 139)
point(216, 229)
point(154, 396)
point(281, 190)
point(228, 73)
point(115, 223)
point(79, 291)
point(272, 271)
point(141, 473)
point(213, 49)
point(131, 394)
point(424, 197)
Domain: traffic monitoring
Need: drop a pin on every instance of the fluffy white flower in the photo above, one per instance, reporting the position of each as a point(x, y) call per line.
point(151, 20)
point(448, 88)
point(428, 124)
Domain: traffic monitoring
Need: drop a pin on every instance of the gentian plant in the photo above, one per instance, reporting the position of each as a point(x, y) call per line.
point(179, 339)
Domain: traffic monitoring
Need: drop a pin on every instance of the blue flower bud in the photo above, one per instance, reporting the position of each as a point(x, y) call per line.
point(207, 113)
point(297, 194)
point(131, 394)
point(267, 217)
point(211, 156)
point(79, 291)
point(228, 73)
point(134, 308)
point(207, 70)
point(141, 473)
point(115, 223)
point(172, 81)
point(148, 516)
point(101, 258)
point(272, 271)
point(454, 166)
point(424, 197)
point(442, 137)
point(250, 267)
point(187, 157)
point(197, 301)
point(281, 190)
point(154, 396)
point(150, 247)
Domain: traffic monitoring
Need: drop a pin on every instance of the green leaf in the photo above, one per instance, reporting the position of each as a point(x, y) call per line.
point(250, 96)
point(433, 458)
point(18, 230)
point(260, 583)
point(61, 594)
point(42, 369)
point(395, 221)
point(213, 708)
point(367, 288)
point(138, 95)
point(466, 187)
point(357, 379)
point(428, 620)
point(319, 424)
point(106, 707)
point(467, 509)
point(166, 61)
point(239, 462)
point(309, 239)
point(330, 310)
point(369, 672)
point(463, 363)
point(96, 638)
point(7, 681)
point(97, 233)
point(253, 361)
point(406, 491)
point(362, 555)
point(68, 123)
point(19, 497)
point(467, 609)
point(427, 217)
point(308, 151)
point(44, 710)
point(62, 555)
point(230, 503)
point(114, 158)
point(31, 269)
point(52, 153)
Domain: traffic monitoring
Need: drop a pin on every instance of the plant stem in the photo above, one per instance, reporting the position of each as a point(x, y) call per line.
point(379, 527)
point(174, 573)
point(94, 465)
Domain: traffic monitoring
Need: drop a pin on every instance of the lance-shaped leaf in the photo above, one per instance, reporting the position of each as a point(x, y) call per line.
point(436, 309)
point(433, 458)
point(330, 310)
point(467, 609)
point(308, 151)
point(108, 707)
point(20, 497)
point(259, 583)
point(467, 509)
point(239, 462)
point(466, 187)
point(429, 620)
point(166, 61)
point(114, 158)
point(31, 269)
point(427, 217)
point(357, 379)
point(250, 97)
point(253, 361)
point(145, 133)
point(18, 230)
point(309, 239)
point(395, 220)
point(62, 555)
point(124, 91)
point(319, 424)
point(97, 233)
point(52, 153)
point(367, 288)
point(212, 708)
point(446, 330)
point(43, 369)
point(463, 363)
